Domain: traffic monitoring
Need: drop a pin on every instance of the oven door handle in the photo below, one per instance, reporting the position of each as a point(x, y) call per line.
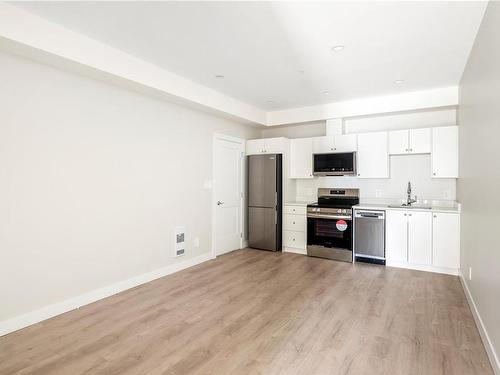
point(333, 217)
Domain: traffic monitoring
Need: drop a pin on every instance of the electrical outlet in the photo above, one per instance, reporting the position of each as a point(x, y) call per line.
point(470, 273)
point(196, 242)
point(447, 194)
point(378, 193)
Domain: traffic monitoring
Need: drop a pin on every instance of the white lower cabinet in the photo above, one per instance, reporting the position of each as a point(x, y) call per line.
point(423, 240)
point(419, 237)
point(294, 240)
point(396, 237)
point(294, 229)
point(446, 240)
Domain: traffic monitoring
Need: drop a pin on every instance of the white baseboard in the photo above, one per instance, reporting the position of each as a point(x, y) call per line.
point(294, 250)
point(490, 349)
point(447, 271)
point(21, 321)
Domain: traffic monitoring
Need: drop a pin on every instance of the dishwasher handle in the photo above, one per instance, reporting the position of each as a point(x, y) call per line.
point(380, 215)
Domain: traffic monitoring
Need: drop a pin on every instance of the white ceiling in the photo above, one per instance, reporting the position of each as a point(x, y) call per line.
point(281, 51)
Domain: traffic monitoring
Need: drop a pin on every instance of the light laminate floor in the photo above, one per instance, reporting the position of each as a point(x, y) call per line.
point(257, 312)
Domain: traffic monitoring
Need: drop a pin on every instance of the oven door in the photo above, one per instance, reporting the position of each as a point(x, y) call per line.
point(330, 237)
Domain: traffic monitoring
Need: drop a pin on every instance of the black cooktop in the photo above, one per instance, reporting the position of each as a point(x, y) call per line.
point(335, 202)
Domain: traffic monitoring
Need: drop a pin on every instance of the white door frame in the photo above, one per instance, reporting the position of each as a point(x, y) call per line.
point(242, 142)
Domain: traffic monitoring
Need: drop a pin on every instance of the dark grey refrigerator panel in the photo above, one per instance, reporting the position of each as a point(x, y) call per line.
point(264, 201)
point(262, 228)
point(262, 170)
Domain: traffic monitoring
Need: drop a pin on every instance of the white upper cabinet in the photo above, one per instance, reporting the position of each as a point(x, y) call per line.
point(266, 146)
point(412, 141)
point(445, 152)
point(301, 154)
point(398, 142)
point(323, 145)
point(420, 141)
point(255, 146)
point(346, 143)
point(275, 145)
point(337, 143)
point(446, 240)
point(419, 237)
point(373, 155)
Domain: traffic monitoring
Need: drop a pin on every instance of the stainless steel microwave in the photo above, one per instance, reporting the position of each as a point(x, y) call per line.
point(337, 164)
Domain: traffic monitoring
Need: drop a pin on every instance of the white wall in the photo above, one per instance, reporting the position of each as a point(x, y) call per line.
point(404, 168)
point(93, 180)
point(479, 182)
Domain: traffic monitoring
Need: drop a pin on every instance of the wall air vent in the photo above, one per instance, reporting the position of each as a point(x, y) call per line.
point(179, 241)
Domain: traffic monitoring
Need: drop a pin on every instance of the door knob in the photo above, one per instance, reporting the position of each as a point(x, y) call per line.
point(219, 203)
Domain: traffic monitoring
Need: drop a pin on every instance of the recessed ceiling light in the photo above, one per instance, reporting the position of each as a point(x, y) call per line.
point(326, 92)
point(219, 76)
point(302, 71)
point(398, 81)
point(338, 48)
point(270, 101)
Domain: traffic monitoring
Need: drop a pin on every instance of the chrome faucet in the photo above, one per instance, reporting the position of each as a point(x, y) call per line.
point(409, 200)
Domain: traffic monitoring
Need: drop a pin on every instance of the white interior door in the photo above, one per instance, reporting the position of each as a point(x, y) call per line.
point(228, 194)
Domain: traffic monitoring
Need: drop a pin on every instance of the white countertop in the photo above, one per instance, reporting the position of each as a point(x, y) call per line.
point(297, 203)
point(436, 206)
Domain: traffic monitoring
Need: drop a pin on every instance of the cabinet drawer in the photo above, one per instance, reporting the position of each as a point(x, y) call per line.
point(295, 210)
point(295, 223)
point(293, 239)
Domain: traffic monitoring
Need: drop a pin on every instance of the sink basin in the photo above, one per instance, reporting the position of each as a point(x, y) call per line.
point(410, 207)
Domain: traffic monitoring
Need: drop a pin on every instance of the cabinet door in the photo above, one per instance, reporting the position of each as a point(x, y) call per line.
point(274, 145)
point(295, 223)
point(295, 240)
point(398, 142)
point(420, 141)
point(420, 238)
point(255, 146)
point(345, 143)
point(446, 240)
point(396, 230)
point(301, 158)
point(373, 156)
point(322, 145)
point(445, 152)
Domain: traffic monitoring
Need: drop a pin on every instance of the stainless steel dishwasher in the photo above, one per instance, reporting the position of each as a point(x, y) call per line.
point(369, 236)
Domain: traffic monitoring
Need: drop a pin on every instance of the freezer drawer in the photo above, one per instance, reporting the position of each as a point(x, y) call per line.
point(262, 227)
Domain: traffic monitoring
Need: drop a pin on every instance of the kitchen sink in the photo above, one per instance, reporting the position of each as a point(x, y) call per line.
point(410, 207)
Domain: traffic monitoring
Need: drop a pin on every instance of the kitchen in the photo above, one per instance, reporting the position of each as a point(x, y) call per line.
point(377, 189)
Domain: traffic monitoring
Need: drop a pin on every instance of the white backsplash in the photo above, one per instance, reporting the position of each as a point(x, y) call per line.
point(404, 168)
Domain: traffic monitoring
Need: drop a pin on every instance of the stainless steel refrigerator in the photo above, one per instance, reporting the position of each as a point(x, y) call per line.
point(264, 201)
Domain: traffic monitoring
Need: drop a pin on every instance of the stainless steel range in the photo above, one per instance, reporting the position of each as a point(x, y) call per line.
point(329, 224)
